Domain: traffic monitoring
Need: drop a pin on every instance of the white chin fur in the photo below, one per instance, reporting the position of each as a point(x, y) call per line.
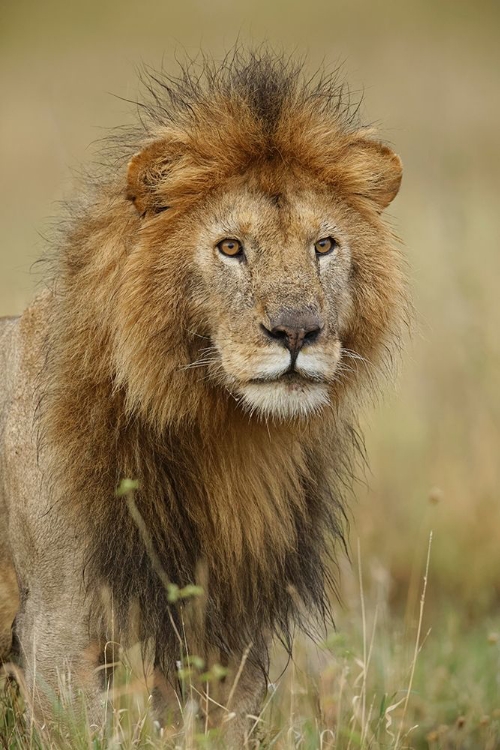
point(282, 400)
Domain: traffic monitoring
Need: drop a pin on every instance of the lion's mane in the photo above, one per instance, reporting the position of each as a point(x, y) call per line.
point(245, 507)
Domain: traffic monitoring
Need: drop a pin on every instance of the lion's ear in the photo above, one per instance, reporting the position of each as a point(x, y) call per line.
point(375, 171)
point(146, 169)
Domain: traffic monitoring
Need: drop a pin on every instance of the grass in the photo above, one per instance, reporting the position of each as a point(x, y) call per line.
point(380, 680)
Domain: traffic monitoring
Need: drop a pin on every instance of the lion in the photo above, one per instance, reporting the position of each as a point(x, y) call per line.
point(221, 300)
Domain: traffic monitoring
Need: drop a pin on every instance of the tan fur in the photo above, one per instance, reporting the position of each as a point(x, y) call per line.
point(9, 600)
point(148, 359)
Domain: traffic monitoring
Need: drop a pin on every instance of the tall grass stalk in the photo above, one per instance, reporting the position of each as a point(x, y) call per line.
point(417, 641)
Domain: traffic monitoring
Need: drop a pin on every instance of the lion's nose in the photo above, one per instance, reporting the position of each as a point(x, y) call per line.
point(294, 329)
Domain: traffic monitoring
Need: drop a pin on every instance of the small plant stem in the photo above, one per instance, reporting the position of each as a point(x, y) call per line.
point(363, 618)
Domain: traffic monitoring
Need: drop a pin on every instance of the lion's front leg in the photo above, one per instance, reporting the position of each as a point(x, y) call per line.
point(62, 664)
point(229, 702)
point(9, 602)
point(166, 699)
point(244, 690)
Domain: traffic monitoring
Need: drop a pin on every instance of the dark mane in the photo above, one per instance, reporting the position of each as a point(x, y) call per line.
point(266, 82)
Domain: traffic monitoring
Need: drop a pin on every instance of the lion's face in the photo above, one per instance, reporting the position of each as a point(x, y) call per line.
point(273, 296)
point(272, 284)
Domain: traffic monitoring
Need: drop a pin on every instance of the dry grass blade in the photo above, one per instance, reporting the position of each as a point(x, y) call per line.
point(417, 642)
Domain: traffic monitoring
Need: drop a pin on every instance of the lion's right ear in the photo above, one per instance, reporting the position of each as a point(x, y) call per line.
point(146, 170)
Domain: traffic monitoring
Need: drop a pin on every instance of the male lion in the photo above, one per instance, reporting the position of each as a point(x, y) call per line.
point(218, 308)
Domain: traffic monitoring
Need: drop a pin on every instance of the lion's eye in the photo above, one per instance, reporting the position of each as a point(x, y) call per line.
point(231, 248)
point(325, 246)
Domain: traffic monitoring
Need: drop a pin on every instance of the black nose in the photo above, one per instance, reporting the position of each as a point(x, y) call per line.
point(294, 329)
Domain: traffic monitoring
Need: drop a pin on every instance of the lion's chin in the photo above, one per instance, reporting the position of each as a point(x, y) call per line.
point(283, 400)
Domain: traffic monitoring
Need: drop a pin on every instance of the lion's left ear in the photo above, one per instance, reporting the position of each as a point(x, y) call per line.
point(146, 170)
point(375, 171)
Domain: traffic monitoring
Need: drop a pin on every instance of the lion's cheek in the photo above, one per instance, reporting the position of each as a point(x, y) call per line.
point(319, 362)
point(242, 361)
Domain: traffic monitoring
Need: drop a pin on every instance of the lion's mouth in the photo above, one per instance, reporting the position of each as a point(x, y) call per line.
point(290, 378)
point(291, 394)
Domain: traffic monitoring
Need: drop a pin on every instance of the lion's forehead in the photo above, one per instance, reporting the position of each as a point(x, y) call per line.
point(288, 214)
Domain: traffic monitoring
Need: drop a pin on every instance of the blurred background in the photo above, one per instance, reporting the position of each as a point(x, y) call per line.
point(430, 76)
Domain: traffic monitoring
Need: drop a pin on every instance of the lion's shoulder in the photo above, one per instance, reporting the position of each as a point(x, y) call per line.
point(33, 329)
point(9, 346)
point(23, 345)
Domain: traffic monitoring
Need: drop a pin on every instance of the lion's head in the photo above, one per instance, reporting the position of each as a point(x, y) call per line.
point(258, 267)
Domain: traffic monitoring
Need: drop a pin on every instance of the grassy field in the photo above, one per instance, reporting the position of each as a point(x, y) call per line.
point(390, 675)
point(378, 681)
